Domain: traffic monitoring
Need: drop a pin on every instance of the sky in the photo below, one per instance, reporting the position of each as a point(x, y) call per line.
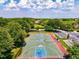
point(39, 9)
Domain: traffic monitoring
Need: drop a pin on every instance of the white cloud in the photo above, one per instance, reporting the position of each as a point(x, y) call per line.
point(11, 6)
point(58, 0)
point(23, 3)
point(49, 4)
point(11, 9)
point(40, 4)
point(34, 4)
point(2, 1)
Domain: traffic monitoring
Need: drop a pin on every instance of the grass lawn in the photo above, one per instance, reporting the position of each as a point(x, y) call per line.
point(63, 43)
point(16, 52)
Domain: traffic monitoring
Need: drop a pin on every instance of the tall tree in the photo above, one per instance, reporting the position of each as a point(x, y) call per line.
point(16, 32)
point(6, 44)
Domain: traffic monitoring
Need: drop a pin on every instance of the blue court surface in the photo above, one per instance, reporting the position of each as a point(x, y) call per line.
point(40, 45)
point(40, 52)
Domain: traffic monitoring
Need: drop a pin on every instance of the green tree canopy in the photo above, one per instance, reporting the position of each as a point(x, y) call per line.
point(16, 32)
point(38, 27)
point(6, 43)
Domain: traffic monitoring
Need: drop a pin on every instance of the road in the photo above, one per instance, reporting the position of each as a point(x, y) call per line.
point(73, 35)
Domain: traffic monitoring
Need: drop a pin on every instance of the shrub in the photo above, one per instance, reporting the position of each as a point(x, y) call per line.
point(48, 28)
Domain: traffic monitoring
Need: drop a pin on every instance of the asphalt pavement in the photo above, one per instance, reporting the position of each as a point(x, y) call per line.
point(72, 35)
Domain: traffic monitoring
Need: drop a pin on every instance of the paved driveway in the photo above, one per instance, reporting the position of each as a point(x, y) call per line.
point(73, 35)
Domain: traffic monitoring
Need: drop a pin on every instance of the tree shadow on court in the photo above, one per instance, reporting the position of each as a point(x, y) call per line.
point(21, 44)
